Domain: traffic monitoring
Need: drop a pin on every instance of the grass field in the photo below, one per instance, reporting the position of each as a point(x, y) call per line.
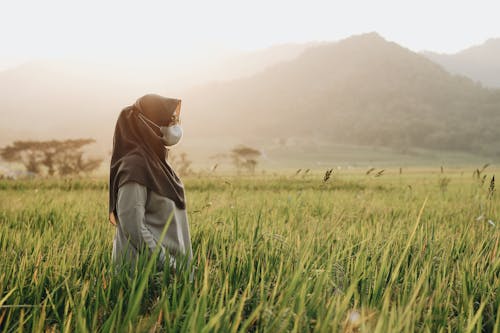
point(417, 251)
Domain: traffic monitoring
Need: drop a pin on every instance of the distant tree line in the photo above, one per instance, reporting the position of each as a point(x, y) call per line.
point(54, 157)
point(66, 158)
point(243, 158)
point(181, 163)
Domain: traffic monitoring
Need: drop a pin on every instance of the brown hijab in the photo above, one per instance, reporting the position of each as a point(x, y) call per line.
point(139, 154)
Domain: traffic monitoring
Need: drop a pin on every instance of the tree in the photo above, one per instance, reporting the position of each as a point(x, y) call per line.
point(181, 163)
point(245, 157)
point(64, 157)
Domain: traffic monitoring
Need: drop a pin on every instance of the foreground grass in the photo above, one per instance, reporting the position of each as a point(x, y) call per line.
point(396, 253)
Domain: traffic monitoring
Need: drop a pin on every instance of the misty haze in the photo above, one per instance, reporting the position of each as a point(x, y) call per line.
point(361, 91)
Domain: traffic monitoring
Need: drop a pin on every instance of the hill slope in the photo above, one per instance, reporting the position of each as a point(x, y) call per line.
point(480, 63)
point(359, 91)
point(68, 99)
point(362, 90)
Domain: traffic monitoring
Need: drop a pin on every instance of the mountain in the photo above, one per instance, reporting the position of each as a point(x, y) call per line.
point(246, 64)
point(480, 63)
point(362, 90)
point(60, 99)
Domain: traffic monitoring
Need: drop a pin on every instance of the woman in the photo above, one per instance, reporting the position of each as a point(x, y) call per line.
point(145, 194)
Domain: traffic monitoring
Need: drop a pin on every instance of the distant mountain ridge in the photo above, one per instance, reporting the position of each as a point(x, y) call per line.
point(362, 90)
point(68, 99)
point(480, 63)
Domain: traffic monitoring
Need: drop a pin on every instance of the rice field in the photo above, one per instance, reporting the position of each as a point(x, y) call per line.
point(378, 252)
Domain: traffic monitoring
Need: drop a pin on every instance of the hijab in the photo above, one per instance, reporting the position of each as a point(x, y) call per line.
point(139, 154)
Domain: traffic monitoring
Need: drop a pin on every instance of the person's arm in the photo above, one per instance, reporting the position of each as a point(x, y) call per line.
point(131, 209)
point(112, 218)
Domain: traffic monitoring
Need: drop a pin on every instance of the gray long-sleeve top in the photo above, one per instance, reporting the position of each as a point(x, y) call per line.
point(142, 216)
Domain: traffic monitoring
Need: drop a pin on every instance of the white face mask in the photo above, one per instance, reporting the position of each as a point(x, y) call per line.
point(171, 134)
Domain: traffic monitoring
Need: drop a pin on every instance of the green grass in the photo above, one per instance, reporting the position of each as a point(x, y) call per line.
point(272, 253)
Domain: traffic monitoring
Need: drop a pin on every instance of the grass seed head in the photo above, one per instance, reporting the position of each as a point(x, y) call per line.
point(491, 189)
point(327, 176)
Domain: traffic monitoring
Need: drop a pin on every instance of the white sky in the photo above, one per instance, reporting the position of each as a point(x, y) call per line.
point(178, 30)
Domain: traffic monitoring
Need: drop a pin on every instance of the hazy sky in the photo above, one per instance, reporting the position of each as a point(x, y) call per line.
point(99, 30)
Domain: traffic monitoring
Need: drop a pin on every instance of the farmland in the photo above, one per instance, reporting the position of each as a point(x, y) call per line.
point(383, 252)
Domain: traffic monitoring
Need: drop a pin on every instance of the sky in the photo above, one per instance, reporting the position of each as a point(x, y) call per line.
point(183, 30)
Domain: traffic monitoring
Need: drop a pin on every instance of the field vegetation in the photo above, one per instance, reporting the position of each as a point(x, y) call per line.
point(379, 251)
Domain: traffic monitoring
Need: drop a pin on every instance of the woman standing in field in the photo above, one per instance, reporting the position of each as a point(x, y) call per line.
point(145, 194)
